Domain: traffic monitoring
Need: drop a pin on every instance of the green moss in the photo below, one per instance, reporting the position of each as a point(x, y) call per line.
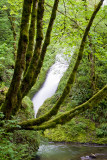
point(26, 111)
point(3, 92)
point(79, 130)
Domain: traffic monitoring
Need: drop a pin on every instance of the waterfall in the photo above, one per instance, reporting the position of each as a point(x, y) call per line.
point(53, 78)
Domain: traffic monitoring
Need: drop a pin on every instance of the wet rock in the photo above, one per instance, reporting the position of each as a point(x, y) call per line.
point(90, 157)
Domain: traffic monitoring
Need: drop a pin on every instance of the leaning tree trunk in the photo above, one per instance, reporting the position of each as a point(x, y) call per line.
point(71, 79)
point(16, 91)
point(11, 96)
point(39, 52)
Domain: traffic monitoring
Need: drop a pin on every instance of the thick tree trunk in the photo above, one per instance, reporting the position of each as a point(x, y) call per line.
point(71, 79)
point(39, 53)
point(32, 31)
point(11, 97)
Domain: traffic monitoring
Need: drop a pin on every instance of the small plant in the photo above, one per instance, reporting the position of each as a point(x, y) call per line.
point(18, 144)
point(102, 130)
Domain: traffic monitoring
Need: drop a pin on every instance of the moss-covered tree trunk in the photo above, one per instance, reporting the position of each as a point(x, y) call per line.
point(36, 63)
point(32, 31)
point(11, 97)
point(64, 117)
point(23, 81)
point(33, 57)
point(39, 53)
point(20, 85)
point(71, 79)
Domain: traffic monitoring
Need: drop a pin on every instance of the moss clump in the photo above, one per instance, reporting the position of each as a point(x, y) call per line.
point(3, 92)
point(26, 111)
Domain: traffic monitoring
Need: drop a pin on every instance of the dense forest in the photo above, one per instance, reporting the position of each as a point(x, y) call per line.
point(32, 33)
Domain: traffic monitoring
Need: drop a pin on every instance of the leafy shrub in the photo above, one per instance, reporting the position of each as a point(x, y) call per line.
point(18, 144)
point(102, 130)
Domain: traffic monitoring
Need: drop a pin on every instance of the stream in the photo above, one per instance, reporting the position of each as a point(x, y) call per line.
point(62, 151)
point(66, 151)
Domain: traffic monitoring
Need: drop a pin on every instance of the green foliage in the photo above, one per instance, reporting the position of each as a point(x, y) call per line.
point(6, 64)
point(18, 144)
point(9, 18)
point(101, 131)
point(67, 32)
point(15, 6)
point(78, 130)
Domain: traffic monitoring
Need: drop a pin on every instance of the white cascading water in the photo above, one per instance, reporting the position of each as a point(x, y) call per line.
point(50, 85)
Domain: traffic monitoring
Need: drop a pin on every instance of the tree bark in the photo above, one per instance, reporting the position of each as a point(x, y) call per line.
point(39, 54)
point(32, 31)
point(65, 117)
point(11, 96)
point(33, 63)
point(71, 79)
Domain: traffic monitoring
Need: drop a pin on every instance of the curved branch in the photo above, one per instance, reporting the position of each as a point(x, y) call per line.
point(67, 116)
point(71, 79)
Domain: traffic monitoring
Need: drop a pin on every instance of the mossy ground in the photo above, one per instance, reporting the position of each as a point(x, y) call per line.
point(79, 130)
point(89, 127)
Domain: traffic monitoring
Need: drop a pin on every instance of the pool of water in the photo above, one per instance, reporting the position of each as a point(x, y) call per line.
point(63, 151)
